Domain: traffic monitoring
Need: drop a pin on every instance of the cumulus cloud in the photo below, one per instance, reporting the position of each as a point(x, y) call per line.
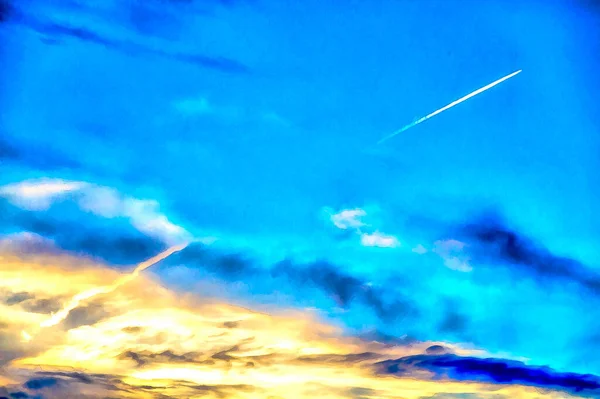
point(353, 220)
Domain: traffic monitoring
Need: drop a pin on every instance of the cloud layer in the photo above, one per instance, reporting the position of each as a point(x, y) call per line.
point(148, 342)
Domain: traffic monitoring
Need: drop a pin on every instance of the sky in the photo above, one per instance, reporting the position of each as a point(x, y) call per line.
point(457, 260)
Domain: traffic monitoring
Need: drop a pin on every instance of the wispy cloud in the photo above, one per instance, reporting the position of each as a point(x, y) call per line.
point(61, 30)
point(342, 287)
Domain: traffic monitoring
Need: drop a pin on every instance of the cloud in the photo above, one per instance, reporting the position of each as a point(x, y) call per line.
point(492, 242)
point(30, 303)
point(344, 288)
point(86, 315)
point(348, 218)
point(497, 371)
point(38, 194)
point(420, 249)
point(40, 383)
point(453, 254)
point(59, 31)
point(6, 9)
point(380, 240)
point(352, 219)
point(32, 156)
point(106, 202)
point(50, 232)
point(154, 341)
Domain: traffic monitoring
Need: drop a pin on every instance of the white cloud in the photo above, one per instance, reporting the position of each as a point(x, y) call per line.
point(351, 219)
point(380, 240)
point(348, 218)
point(420, 249)
point(451, 251)
point(39, 194)
point(106, 202)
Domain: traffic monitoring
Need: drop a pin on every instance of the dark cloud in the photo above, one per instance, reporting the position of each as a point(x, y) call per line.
point(168, 356)
point(361, 393)
point(43, 306)
point(40, 383)
point(67, 385)
point(492, 241)
point(40, 158)
point(222, 391)
point(79, 377)
point(465, 396)
point(16, 298)
point(115, 249)
point(7, 151)
point(495, 371)
point(115, 241)
point(6, 9)
point(30, 303)
point(453, 322)
point(61, 31)
point(344, 288)
point(335, 358)
point(86, 315)
point(132, 329)
point(436, 350)
point(224, 355)
point(231, 324)
point(386, 339)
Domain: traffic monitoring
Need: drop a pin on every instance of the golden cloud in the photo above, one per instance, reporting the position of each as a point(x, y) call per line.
point(146, 341)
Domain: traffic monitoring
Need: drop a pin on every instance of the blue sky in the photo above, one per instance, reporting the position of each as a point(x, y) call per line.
point(253, 123)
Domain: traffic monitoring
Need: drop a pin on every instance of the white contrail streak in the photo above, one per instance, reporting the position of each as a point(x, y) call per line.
point(85, 295)
point(76, 300)
point(452, 104)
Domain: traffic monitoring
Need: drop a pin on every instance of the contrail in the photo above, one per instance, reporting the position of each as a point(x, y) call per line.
point(452, 104)
point(82, 296)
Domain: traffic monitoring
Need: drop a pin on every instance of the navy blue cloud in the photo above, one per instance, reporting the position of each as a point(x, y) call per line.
point(6, 9)
point(491, 370)
point(491, 240)
point(40, 383)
